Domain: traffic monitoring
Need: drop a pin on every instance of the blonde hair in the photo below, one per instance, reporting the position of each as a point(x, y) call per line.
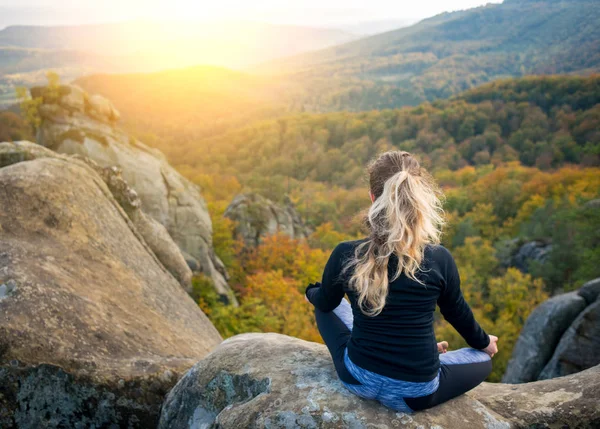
point(405, 217)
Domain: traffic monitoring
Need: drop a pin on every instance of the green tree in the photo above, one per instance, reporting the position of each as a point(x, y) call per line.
point(29, 107)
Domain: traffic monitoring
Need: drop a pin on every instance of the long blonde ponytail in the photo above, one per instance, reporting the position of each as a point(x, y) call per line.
point(405, 217)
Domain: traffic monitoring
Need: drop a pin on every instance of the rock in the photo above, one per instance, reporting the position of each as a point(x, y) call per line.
point(579, 348)
point(75, 99)
point(166, 196)
point(590, 291)
point(257, 217)
point(14, 152)
point(94, 330)
point(560, 337)
point(540, 335)
point(275, 381)
point(531, 251)
point(101, 109)
point(153, 233)
point(7, 289)
point(593, 204)
point(191, 262)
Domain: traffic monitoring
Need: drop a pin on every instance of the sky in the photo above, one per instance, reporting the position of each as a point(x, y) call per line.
point(296, 12)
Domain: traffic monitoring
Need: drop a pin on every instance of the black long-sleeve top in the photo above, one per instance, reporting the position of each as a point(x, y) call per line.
point(400, 342)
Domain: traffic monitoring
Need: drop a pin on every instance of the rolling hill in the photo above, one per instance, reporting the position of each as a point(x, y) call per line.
point(544, 122)
point(26, 52)
point(178, 44)
point(191, 103)
point(209, 122)
point(447, 54)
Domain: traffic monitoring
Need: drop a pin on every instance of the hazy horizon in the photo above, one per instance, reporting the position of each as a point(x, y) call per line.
point(312, 13)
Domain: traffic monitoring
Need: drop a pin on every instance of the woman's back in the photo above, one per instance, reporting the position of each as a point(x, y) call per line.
point(382, 344)
point(399, 342)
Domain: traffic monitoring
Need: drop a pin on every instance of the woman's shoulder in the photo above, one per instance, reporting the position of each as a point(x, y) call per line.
point(352, 243)
point(349, 245)
point(345, 249)
point(436, 253)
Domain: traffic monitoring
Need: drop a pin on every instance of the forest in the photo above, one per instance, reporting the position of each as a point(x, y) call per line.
point(543, 122)
point(447, 54)
point(518, 161)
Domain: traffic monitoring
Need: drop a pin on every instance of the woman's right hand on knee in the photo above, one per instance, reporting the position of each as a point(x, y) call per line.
point(492, 347)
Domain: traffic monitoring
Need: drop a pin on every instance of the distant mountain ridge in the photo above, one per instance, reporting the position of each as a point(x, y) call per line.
point(166, 40)
point(26, 52)
point(447, 54)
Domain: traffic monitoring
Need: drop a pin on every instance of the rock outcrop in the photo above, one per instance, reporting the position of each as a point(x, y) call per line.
point(540, 335)
point(520, 254)
point(257, 217)
point(579, 347)
point(93, 329)
point(560, 337)
point(275, 381)
point(76, 123)
point(154, 234)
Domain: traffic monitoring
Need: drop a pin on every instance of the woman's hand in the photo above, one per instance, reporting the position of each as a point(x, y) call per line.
point(492, 348)
point(310, 286)
point(442, 346)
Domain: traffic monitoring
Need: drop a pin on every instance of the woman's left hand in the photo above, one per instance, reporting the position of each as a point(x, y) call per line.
point(442, 346)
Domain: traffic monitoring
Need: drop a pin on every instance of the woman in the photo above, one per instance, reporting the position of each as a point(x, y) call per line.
point(383, 343)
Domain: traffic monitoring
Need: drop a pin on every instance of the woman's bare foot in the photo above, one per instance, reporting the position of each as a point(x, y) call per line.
point(442, 346)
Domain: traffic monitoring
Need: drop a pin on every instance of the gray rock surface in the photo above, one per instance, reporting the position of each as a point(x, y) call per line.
point(80, 124)
point(560, 337)
point(531, 251)
point(93, 329)
point(590, 291)
point(275, 381)
point(540, 335)
point(579, 348)
point(593, 204)
point(257, 217)
point(152, 232)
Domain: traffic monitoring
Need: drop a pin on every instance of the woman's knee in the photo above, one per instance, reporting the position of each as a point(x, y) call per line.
point(344, 313)
point(463, 356)
point(423, 402)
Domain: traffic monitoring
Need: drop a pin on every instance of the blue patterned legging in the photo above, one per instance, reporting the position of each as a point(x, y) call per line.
point(460, 370)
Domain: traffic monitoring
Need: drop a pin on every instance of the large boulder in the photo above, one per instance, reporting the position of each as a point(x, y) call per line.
point(93, 329)
point(257, 217)
point(579, 348)
point(532, 251)
point(75, 123)
point(540, 335)
point(590, 291)
point(560, 337)
point(153, 233)
point(275, 381)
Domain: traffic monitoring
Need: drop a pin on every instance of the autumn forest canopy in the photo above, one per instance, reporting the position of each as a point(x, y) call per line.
point(518, 160)
point(500, 103)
